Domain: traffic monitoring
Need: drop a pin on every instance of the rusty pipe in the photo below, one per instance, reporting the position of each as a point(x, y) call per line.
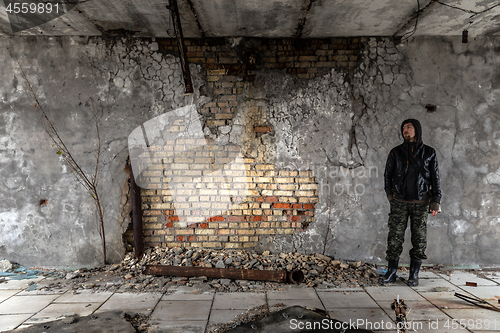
point(227, 273)
point(135, 198)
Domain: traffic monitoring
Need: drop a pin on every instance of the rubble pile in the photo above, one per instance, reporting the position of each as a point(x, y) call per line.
point(318, 269)
point(128, 276)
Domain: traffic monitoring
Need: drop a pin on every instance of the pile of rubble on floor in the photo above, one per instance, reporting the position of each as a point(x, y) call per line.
point(319, 270)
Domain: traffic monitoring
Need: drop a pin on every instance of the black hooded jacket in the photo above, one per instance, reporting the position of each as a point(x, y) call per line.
point(411, 171)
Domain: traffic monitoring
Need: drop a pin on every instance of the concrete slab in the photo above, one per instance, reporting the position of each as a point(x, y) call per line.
point(19, 284)
point(421, 275)
point(189, 294)
point(434, 327)
point(418, 311)
point(10, 322)
point(241, 301)
point(323, 287)
point(111, 321)
point(305, 303)
point(389, 293)
point(84, 296)
point(361, 316)
point(293, 293)
point(177, 327)
point(131, 302)
point(476, 319)
point(446, 300)
point(181, 311)
point(57, 311)
point(459, 278)
point(28, 292)
point(336, 300)
point(7, 293)
point(488, 293)
point(26, 304)
point(435, 285)
point(47, 286)
point(223, 316)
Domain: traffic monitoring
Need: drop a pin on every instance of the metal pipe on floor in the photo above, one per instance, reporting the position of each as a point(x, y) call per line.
point(227, 273)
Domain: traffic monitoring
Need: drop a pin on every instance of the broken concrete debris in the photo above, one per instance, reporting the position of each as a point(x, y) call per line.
point(5, 265)
point(129, 275)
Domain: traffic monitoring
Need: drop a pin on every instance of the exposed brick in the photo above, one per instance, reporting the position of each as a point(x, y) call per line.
point(282, 205)
point(215, 219)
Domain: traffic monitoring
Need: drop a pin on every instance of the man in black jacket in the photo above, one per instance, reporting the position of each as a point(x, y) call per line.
point(412, 187)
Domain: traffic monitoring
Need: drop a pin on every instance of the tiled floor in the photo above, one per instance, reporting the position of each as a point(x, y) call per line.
point(432, 305)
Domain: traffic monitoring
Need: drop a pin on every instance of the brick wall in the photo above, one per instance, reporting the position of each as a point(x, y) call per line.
point(228, 68)
point(202, 194)
point(211, 196)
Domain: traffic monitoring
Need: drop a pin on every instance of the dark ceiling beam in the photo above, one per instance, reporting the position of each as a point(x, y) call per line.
point(303, 18)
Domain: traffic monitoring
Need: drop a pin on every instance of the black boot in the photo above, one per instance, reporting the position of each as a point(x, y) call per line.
point(414, 268)
point(390, 276)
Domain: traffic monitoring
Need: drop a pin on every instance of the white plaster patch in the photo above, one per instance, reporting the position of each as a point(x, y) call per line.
point(459, 227)
point(10, 231)
point(493, 178)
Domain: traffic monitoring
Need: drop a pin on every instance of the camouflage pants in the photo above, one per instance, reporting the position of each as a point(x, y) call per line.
point(398, 221)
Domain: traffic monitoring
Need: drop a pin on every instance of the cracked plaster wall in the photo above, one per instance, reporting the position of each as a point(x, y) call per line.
point(130, 83)
point(341, 125)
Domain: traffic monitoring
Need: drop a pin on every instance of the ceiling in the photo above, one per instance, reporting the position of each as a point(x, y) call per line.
point(258, 18)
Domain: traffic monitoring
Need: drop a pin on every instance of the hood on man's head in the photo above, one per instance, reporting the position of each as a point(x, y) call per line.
point(416, 125)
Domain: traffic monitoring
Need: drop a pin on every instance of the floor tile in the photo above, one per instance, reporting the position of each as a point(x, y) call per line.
point(459, 278)
point(234, 301)
point(293, 293)
point(58, 311)
point(191, 326)
point(447, 300)
point(488, 293)
point(181, 310)
point(306, 303)
point(84, 296)
point(373, 317)
point(438, 326)
point(189, 294)
point(131, 302)
point(7, 293)
point(476, 319)
point(19, 284)
point(389, 293)
point(28, 292)
point(223, 316)
point(10, 322)
point(335, 300)
point(435, 285)
point(26, 304)
point(417, 310)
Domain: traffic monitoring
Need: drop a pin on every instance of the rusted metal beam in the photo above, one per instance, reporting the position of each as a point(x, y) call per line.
point(227, 273)
point(174, 10)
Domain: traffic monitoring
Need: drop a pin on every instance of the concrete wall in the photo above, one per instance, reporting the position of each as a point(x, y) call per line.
point(341, 125)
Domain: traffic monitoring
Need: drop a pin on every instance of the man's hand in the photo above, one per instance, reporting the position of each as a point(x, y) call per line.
point(434, 208)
